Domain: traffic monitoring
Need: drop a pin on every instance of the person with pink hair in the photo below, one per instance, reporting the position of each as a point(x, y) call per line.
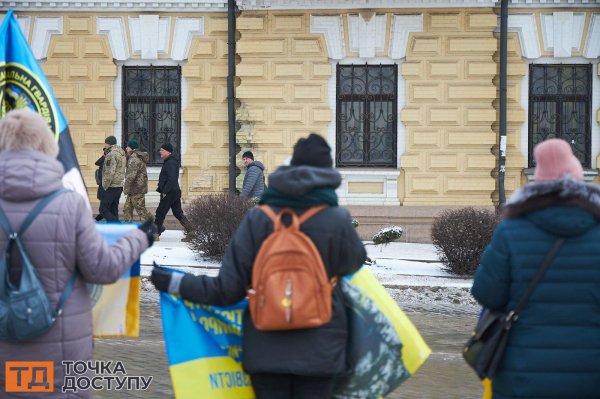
point(553, 348)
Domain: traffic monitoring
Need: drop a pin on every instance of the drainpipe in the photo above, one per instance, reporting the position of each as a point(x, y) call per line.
point(231, 8)
point(502, 146)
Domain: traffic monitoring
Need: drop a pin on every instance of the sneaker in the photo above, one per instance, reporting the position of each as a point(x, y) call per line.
point(156, 237)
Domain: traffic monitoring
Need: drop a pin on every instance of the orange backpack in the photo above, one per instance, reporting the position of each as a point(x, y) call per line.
point(290, 289)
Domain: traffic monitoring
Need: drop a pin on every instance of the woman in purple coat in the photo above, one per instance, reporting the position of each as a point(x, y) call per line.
point(61, 240)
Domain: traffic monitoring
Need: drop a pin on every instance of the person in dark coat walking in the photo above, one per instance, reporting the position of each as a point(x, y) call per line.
point(553, 348)
point(254, 180)
point(98, 174)
point(170, 192)
point(302, 363)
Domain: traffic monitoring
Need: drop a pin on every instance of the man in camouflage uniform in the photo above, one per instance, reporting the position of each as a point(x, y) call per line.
point(136, 182)
point(113, 176)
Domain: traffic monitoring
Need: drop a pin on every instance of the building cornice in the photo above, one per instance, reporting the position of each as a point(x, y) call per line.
point(116, 6)
point(402, 4)
point(311, 5)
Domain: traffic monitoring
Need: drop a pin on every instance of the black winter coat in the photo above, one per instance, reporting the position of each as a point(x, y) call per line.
point(311, 352)
point(168, 180)
point(100, 164)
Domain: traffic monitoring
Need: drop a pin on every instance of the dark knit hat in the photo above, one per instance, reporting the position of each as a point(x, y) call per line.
point(313, 151)
point(133, 144)
point(167, 147)
point(248, 154)
point(110, 140)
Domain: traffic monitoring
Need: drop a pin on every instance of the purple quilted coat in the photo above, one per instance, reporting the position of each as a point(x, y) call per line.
point(63, 238)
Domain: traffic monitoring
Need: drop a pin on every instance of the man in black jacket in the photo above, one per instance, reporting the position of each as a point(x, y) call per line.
point(170, 192)
point(292, 363)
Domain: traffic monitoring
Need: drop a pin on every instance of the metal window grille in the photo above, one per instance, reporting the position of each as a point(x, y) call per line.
point(366, 115)
point(560, 105)
point(152, 108)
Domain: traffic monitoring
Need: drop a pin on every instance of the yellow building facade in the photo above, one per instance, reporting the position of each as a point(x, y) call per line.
point(442, 146)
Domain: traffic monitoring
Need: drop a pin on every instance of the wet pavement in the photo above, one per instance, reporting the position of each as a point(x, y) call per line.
point(445, 327)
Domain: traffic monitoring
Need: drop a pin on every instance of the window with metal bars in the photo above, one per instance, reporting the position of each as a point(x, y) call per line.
point(152, 108)
point(560, 105)
point(366, 115)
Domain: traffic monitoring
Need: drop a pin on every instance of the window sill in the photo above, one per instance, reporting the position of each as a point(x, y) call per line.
point(588, 174)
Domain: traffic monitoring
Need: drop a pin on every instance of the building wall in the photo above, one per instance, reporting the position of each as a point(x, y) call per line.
point(448, 89)
point(449, 93)
point(283, 72)
point(81, 72)
point(206, 156)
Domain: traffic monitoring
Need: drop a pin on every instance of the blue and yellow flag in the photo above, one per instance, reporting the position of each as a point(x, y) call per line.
point(204, 345)
point(117, 310)
point(24, 85)
point(204, 348)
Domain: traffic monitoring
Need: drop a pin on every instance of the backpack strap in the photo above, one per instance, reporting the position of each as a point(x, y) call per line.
point(65, 295)
point(310, 212)
point(16, 237)
point(276, 218)
point(38, 208)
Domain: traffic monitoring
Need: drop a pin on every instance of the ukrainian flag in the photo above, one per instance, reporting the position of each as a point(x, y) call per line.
point(117, 310)
point(204, 347)
point(24, 85)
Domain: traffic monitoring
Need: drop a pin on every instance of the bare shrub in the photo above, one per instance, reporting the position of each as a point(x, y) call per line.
point(460, 237)
point(213, 220)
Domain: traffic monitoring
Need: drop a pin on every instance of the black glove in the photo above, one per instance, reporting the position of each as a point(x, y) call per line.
point(150, 229)
point(161, 278)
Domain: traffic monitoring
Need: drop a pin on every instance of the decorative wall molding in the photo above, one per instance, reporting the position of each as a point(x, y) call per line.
point(221, 5)
point(43, 29)
point(387, 178)
point(150, 35)
point(402, 25)
point(366, 33)
point(185, 30)
point(592, 42)
point(114, 28)
point(562, 32)
point(333, 30)
point(117, 5)
point(359, 4)
point(416, 4)
point(525, 25)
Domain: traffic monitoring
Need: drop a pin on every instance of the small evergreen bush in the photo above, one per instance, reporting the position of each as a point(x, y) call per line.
point(387, 235)
point(460, 237)
point(213, 220)
point(355, 223)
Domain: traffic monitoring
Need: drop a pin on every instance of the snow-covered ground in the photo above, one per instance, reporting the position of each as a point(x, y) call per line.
point(411, 272)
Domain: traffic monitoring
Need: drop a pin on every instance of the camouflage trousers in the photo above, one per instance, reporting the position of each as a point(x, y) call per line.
point(137, 202)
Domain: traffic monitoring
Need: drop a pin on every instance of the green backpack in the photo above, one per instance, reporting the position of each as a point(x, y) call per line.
point(25, 311)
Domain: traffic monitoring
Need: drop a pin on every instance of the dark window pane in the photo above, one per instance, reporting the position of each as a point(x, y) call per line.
point(152, 104)
point(366, 115)
point(559, 106)
point(381, 138)
point(351, 134)
point(572, 125)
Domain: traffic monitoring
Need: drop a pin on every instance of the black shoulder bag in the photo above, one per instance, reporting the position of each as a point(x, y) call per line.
point(484, 350)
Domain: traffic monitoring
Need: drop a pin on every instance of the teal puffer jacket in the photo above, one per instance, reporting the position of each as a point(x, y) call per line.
point(553, 349)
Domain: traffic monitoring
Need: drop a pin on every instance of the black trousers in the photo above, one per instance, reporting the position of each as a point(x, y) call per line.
point(171, 200)
point(109, 204)
point(289, 386)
